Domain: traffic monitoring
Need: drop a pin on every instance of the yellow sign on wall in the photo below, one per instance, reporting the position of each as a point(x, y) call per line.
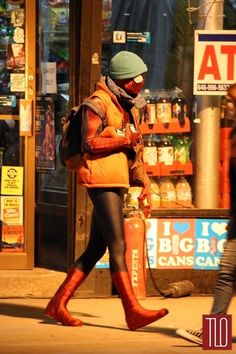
point(12, 180)
point(11, 210)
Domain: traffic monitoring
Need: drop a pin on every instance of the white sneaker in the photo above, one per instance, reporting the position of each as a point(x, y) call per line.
point(191, 335)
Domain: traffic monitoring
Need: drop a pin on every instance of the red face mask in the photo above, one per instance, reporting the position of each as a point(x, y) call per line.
point(132, 86)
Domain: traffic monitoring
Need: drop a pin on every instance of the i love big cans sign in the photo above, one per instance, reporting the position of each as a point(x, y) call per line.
point(185, 243)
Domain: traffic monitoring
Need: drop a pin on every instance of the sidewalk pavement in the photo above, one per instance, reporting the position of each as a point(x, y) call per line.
point(26, 330)
point(37, 282)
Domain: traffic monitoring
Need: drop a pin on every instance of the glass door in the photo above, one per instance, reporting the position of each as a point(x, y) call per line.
point(52, 101)
point(17, 89)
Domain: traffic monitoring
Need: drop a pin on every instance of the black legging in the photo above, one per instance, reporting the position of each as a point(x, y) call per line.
point(107, 230)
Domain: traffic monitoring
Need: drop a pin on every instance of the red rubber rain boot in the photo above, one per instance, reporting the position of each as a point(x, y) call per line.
point(136, 315)
point(56, 308)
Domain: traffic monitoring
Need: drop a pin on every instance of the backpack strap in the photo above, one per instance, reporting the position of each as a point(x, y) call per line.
point(91, 104)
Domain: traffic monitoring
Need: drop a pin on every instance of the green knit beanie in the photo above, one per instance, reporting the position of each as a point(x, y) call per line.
point(126, 65)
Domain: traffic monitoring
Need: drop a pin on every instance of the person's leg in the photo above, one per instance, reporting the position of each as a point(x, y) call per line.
point(95, 249)
point(223, 292)
point(56, 308)
point(108, 206)
point(224, 287)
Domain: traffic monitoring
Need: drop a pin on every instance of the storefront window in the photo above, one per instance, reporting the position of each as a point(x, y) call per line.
point(52, 98)
point(12, 89)
point(168, 124)
point(12, 76)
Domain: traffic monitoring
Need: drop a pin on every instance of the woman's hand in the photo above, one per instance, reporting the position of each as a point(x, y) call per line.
point(144, 199)
point(132, 136)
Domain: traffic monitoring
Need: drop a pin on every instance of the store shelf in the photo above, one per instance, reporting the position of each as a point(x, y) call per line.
point(218, 213)
point(159, 128)
point(191, 213)
point(175, 169)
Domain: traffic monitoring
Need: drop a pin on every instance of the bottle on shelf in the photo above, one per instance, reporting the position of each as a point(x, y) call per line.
point(150, 150)
point(171, 138)
point(188, 142)
point(182, 148)
point(155, 194)
point(178, 106)
point(163, 108)
point(168, 193)
point(150, 116)
point(183, 193)
point(165, 150)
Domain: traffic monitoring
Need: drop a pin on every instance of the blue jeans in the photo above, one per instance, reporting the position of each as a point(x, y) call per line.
point(224, 287)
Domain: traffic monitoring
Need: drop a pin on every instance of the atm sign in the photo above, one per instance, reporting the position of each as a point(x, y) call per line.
point(214, 62)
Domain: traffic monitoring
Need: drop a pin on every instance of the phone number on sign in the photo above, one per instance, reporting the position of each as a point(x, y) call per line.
point(212, 87)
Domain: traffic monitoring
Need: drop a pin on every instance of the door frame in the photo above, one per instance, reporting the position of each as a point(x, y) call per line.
point(87, 72)
point(25, 260)
point(88, 66)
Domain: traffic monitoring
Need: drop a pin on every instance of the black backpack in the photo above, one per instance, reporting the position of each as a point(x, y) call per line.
point(70, 146)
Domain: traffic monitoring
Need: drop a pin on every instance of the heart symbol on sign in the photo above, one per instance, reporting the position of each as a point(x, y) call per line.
point(181, 227)
point(219, 227)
